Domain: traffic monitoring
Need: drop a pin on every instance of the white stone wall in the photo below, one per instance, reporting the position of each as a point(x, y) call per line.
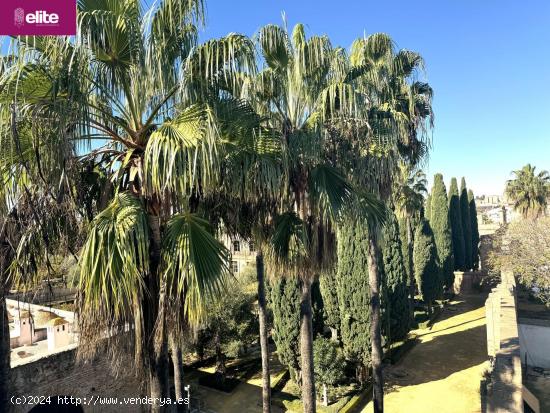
point(534, 337)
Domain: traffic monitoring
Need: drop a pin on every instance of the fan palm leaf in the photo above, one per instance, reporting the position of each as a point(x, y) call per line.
point(115, 259)
point(196, 263)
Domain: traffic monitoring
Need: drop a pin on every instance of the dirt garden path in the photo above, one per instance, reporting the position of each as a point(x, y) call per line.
point(441, 374)
point(245, 398)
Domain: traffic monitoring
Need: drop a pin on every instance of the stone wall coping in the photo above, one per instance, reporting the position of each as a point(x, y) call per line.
point(37, 357)
point(68, 315)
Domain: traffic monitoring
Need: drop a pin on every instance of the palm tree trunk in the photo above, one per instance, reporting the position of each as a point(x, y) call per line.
point(177, 363)
point(154, 333)
point(4, 349)
point(158, 381)
point(376, 338)
point(264, 344)
point(306, 348)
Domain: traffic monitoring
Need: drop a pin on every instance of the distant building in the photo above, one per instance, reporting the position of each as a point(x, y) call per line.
point(32, 324)
point(23, 329)
point(243, 253)
point(489, 200)
point(58, 333)
point(495, 210)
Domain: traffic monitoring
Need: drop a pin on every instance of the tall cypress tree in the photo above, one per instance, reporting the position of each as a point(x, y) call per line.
point(331, 310)
point(466, 225)
point(395, 285)
point(284, 299)
point(475, 230)
point(428, 207)
point(404, 247)
point(353, 293)
point(456, 225)
point(441, 226)
point(426, 267)
point(318, 308)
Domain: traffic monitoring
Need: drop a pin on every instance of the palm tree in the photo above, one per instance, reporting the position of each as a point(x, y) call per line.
point(162, 109)
point(409, 192)
point(247, 203)
point(357, 115)
point(295, 91)
point(398, 116)
point(34, 223)
point(287, 90)
point(529, 191)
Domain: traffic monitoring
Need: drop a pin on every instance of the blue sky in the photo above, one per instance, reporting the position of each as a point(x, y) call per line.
point(487, 60)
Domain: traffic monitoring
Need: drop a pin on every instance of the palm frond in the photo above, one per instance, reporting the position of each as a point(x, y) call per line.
point(274, 45)
point(115, 260)
point(217, 60)
point(372, 49)
point(196, 263)
point(405, 62)
point(289, 245)
point(182, 152)
point(330, 190)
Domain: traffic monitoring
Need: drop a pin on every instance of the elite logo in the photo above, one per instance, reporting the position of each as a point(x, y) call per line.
point(38, 17)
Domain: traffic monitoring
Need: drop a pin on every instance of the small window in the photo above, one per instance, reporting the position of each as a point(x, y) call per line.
point(234, 266)
point(57, 328)
point(251, 247)
point(63, 327)
point(24, 322)
point(236, 246)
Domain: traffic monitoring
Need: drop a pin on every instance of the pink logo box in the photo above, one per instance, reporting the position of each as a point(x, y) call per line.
point(37, 17)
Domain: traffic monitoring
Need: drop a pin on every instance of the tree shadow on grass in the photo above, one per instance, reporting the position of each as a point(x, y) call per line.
point(462, 304)
point(439, 357)
point(450, 327)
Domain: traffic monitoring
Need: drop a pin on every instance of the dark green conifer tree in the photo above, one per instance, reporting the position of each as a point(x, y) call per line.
point(404, 247)
point(426, 267)
point(331, 310)
point(475, 230)
point(395, 286)
point(318, 307)
point(284, 300)
point(456, 225)
point(428, 207)
point(441, 226)
point(466, 225)
point(353, 294)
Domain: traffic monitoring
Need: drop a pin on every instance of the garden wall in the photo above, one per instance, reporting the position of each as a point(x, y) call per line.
point(467, 282)
point(60, 375)
point(505, 390)
point(504, 393)
point(534, 337)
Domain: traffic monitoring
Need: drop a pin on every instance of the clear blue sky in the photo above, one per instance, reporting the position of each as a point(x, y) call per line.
point(487, 60)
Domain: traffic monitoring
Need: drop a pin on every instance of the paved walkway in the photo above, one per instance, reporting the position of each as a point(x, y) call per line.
point(442, 373)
